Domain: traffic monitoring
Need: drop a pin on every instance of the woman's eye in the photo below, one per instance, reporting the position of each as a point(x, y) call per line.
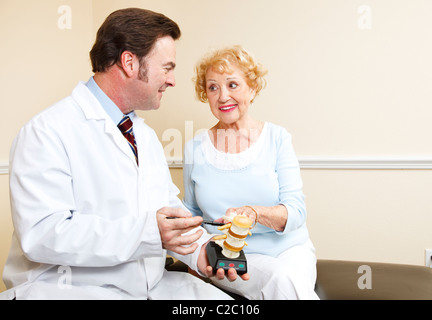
point(233, 85)
point(212, 88)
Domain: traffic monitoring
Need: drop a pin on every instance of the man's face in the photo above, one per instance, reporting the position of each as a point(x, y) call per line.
point(158, 74)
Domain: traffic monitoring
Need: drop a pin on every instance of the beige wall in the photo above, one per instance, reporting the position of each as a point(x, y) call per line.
point(40, 62)
point(372, 215)
point(340, 88)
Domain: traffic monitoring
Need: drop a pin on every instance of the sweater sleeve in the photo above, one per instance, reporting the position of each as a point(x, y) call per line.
point(189, 199)
point(290, 183)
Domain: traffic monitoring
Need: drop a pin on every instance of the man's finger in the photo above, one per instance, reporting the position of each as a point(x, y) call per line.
point(184, 250)
point(185, 224)
point(175, 212)
point(184, 240)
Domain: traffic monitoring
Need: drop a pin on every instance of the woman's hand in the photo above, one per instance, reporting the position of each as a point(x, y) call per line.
point(247, 211)
point(274, 217)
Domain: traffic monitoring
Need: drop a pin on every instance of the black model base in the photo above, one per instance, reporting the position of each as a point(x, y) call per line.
point(218, 260)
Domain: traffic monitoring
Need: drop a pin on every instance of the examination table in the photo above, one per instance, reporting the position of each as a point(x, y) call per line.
point(353, 280)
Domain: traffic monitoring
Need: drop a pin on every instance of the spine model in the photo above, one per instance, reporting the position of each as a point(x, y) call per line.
point(233, 241)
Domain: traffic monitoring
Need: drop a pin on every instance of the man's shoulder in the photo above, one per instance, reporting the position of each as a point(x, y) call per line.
point(60, 111)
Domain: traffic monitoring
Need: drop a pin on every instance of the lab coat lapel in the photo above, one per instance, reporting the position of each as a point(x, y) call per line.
point(93, 110)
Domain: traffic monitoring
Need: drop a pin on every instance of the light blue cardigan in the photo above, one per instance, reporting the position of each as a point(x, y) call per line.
point(273, 177)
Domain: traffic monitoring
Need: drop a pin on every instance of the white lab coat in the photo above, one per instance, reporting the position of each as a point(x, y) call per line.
point(79, 200)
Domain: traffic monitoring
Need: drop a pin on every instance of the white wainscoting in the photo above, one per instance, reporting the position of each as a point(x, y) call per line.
point(352, 163)
point(4, 168)
point(419, 163)
point(366, 163)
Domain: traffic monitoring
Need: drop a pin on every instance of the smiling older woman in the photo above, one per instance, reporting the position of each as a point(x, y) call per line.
point(248, 167)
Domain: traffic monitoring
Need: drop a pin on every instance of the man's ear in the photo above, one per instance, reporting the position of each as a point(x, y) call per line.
point(129, 63)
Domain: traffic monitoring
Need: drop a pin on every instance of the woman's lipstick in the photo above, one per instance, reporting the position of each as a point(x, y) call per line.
point(228, 108)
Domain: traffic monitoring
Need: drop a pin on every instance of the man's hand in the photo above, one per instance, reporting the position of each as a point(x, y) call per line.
point(173, 223)
point(207, 270)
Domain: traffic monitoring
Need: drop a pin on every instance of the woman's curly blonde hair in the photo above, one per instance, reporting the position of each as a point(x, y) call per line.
point(221, 61)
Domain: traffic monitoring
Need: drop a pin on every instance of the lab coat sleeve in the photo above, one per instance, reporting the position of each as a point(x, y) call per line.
point(50, 228)
point(191, 259)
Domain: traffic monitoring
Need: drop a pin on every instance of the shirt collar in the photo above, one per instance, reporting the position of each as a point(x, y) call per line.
point(109, 106)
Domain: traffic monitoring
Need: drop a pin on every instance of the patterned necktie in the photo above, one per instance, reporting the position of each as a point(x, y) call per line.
point(125, 127)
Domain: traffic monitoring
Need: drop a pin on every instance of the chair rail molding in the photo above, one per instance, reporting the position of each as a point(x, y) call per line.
point(413, 163)
point(4, 168)
point(367, 163)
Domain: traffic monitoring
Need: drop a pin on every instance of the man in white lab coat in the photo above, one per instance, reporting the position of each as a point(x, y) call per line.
point(89, 207)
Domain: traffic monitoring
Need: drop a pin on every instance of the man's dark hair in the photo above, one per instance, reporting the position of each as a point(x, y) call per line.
point(135, 30)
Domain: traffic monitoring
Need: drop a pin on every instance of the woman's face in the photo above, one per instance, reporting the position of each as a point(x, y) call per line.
point(229, 95)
